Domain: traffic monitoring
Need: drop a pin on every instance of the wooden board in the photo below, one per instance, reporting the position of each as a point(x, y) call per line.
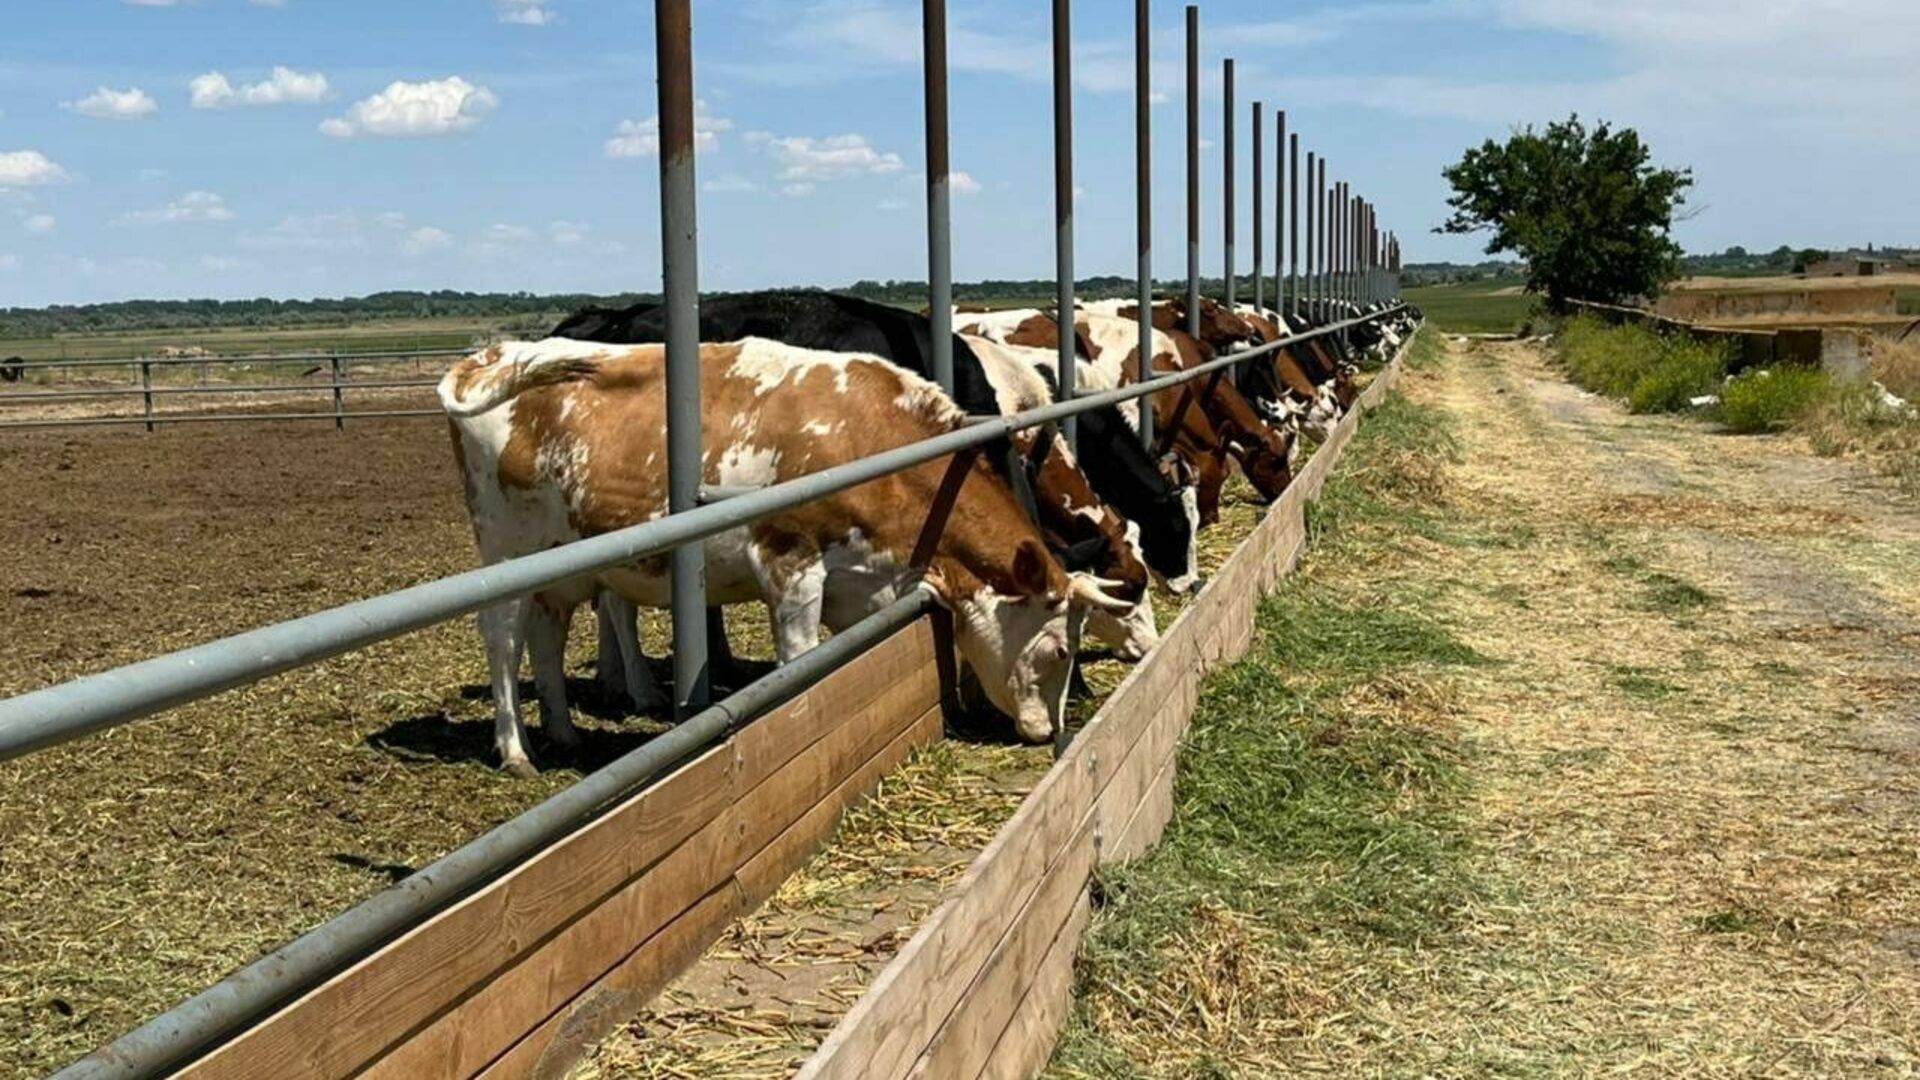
point(945, 1005)
point(453, 994)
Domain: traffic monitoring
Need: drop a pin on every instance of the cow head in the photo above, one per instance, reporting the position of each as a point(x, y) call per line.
point(1266, 456)
point(1015, 638)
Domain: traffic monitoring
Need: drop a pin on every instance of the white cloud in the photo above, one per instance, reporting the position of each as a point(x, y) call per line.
point(729, 183)
point(108, 104)
point(641, 138)
point(336, 231)
point(424, 240)
point(39, 224)
point(414, 110)
point(284, 87)
point(506, 234)
point(963, 183)
point(566, 233)
point(193, 207)
point(797, 191)
point(28, 168)
point(832, 158)
point(525, 12)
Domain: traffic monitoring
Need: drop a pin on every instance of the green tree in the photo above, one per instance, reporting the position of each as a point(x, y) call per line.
point(1806, 257)
point(1587, 210)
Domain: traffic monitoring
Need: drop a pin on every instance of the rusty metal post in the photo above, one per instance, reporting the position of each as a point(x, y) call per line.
point(1193, 170)
point(339, 394)
point(1063, 201)
point(146, 385)
point(1143, 191)
point(680, 268)
point(1226, 175)
point(939, 193)
point(1259, 210)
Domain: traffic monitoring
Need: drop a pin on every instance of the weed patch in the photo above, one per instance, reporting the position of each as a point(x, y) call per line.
point(1772, 399)
point(1651, 372)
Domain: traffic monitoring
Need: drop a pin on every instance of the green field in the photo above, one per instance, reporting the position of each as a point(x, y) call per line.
point(1481, 307)
point(370, 336)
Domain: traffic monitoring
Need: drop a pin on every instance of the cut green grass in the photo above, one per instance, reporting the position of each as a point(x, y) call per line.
point(1320, 796)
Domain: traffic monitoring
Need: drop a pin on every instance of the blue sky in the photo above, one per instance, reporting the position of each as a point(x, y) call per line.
point(174, 148)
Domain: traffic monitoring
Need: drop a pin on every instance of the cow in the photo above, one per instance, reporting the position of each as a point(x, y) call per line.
point(1221, 424)
point(12, 368)
point(1140, 489)
point(560, 440)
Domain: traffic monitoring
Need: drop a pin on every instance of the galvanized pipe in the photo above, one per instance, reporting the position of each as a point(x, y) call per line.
point(1293, 223)
point(1193, 170)
point(162, 419)
point(1313, 243)
point(31, 366)
point(1280, 174)
point(1229, 206)
point(71, 710)
point(1143, 191)
point(1063, 203)
point(1259, 210)
point(249, 995)
point(680, 264)
point(939, 193)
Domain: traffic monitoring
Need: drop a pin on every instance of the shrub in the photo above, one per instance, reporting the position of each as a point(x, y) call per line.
point(1773, 399)
point(1652, 372)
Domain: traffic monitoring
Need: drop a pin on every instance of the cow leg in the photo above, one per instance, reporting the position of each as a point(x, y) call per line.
point(503, 628)
point(646, 693)
point(547, 622)
point(613, 666)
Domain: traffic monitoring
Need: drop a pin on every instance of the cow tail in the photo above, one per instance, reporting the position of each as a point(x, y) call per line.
point(474, 387)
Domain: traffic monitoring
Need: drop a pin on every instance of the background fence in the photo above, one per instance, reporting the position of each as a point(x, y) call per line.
point(262, 1020)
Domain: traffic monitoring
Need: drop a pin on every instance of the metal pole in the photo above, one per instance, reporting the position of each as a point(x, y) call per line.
point(1063, 200)
point(146, 388)
point(680, 263)
point(1320, 242)
point(1143, 190)
point(1293, 223)
point(1227, 178)
point(1280, 210)
point(339, 396)
point(1312, 278)
point(1259, 210)
point(939, 194)
point(1193, 170)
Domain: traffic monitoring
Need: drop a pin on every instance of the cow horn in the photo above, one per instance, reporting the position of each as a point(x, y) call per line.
point(1085, 589)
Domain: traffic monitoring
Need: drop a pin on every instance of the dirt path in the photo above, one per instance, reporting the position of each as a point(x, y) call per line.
point(1694, 758)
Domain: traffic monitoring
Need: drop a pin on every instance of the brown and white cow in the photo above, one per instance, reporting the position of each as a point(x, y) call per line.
point(560, 440)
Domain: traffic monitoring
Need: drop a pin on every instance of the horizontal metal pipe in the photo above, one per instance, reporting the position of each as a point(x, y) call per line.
point(237, 1002)
point(32, 396)
point(259, 358)
point(57, 714)
point(213, 418)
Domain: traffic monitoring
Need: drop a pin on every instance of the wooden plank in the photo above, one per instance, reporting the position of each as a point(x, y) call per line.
point(545, 979)
point(552, 1048)
point(1150, 818)
point(962, 1044)
point(339, 1028)
point(1027, 1044)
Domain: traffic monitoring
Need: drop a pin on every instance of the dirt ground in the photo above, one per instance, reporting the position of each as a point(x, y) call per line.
point(1692, 761)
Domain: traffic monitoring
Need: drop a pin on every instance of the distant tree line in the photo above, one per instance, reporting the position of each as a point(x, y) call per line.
point(518, 312)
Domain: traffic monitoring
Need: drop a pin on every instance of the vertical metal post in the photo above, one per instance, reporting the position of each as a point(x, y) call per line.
point(1063, 199)
point(1143, 192)
point(1320, 241)
point(1293, 223)
point(939, 193)
point(1259, 210)
point(146, 384)
point(339, 395)
point(1193, 170)
point(1312, 277)
point(680, 267)
point(1280, 211)
point(1229, 207)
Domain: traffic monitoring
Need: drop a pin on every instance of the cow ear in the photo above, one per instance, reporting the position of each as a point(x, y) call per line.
point(1029, 568)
